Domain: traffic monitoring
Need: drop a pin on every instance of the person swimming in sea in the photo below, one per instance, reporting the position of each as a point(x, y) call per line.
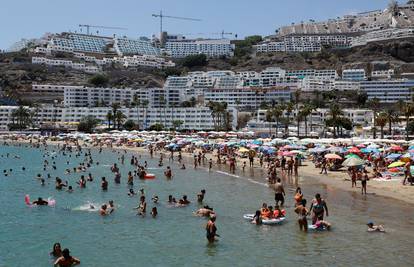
point(66, 260)
point(155, 199)
point(200, 196)
point(154, 212)
point(184, 201)
point(56, 250)
point(40, 202)
point(103, 211)
point(131, 192)
point(205, 211)
point(375, 228)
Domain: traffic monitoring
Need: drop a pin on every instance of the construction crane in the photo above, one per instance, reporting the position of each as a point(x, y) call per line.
point(222, 33)
point(87, 26)
point(161, 16)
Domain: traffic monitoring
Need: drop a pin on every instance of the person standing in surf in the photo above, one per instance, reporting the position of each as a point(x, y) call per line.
point(211, 229)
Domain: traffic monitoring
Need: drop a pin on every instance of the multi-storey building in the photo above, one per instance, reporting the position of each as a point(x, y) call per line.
point(127, 46)
point(354, 75)
point(211, 48)
point(389, 91)
point(197, 118)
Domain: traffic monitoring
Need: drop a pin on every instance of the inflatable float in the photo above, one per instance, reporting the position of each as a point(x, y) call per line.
point(149, 176)
point(314, 227)
point(266, 221)
point(50, 202)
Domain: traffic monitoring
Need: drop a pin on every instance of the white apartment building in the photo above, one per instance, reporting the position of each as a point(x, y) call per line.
point(310, 84)
point(316, 121)
point(81, 43)
point(382, 74)
point(65, 63)
point(354, 75)
point(382, 35)
point(389, 91)
point(305, 43)
point(127, 46)
point(312, 73)
point(342, 85)
point(211, 48)
point(198, 118)
point(248, 98)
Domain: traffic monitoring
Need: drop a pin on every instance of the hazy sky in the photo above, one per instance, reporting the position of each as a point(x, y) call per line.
point(31, 18)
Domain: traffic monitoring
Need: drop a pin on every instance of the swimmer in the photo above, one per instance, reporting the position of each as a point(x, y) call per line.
point(42, 182)
point(70, 189)
point(154, 212)
point(184, 201)
point(206, 211)
point(131, 192)
point(104, 184)
point(155, 199)
point(182, 167)
point(142, 191)
point(56, 250)
point(103, 211)
point(375, 228)
point(40, 202)
point(171, 199)
point(66, 259)
point(168, 173)
point(200, 196)
point(111, 206)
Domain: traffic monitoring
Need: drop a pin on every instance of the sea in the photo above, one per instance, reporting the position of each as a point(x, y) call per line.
point(176, 237)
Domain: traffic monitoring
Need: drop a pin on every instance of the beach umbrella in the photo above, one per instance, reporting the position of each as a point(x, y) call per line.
point(396, 164)
point(352, 156)
point(394, 170)
point(393, 156)
point(352, 162)
point(332, 156)
point(354, 150)
point(243, 150)
point(396, 148)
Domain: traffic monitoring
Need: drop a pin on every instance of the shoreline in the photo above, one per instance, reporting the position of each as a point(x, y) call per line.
point(338, 180)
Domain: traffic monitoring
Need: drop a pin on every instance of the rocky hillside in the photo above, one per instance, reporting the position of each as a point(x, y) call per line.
point(17, 73)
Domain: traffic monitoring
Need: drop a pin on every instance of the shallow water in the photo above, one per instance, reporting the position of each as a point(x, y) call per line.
point(176, 237)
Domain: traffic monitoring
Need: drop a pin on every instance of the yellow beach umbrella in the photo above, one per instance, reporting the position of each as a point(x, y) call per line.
point(243, 150)
point(396, 164)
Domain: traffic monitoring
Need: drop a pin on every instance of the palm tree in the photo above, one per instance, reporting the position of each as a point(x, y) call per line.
point(335, 112)
point(305, 112)
point(162, 103)
point(392, 117)
point(277, 113)
point(407, 111)
point(119, 118)
point(269, 119)
point(381, 121)
point(115, 106)
point(137, 103)
point(374, 104)
point(109, 118)
point(289, 109)
point(22, 117)
point(145, 104)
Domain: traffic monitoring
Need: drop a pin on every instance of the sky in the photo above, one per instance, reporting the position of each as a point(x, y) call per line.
point(32, 18)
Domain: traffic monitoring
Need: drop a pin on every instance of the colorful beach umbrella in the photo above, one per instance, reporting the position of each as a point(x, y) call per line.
point(352, 162)
point(396, 164)
point(332, 156)
point(352, 156)
point(354, 150)
point(396, 148)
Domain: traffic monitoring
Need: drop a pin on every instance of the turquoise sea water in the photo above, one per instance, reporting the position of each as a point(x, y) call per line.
point(176, 237)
